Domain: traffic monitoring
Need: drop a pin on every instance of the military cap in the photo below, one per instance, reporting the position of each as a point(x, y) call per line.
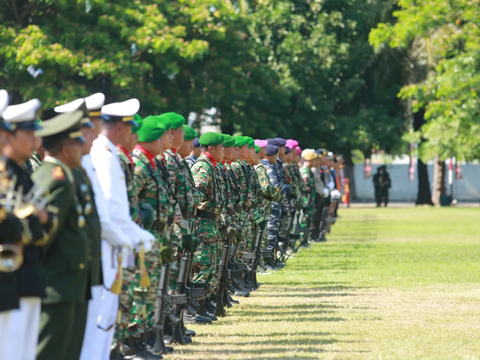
point(3, 106)
point(78, 104)
point(251, 142)
point(121, 111)
point(190, 133)
point(261, 143)
point(151, 129)
point(292, 144)
point(196, 143)
point(288, 150)
point(299, 150)
point(23, 116)
point(272, 150)
point(165, 120)
point(138, 119)
point(240, 141)
point(94, 104)
point(176, 120)
point(211, 139)
point(309, 155)
point(257, 148)
point(321, 152)
point(277, 142)
point(61, 127)
point(331, 156)
point(229, 141)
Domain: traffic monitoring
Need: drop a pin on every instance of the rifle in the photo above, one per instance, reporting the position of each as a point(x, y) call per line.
point(257, 258)
point(222, 286)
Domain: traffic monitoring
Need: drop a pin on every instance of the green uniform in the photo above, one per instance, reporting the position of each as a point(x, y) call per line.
point(308, 178)
point(66, 268)
point(206, 257)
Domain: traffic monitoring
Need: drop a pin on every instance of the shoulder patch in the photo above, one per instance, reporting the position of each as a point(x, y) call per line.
point(58, 173)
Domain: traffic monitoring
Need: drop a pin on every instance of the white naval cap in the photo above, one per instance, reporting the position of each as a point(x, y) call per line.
point(94, 104)
point(79, 104)
point(121, 111)
point(3, 105)
point(23, 116)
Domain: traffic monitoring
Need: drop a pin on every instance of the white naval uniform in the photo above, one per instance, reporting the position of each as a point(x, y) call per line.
point(111, 180)
point(19, 330)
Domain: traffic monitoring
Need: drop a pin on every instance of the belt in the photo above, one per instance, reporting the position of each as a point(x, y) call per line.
point(207, 215)
point(237, 208)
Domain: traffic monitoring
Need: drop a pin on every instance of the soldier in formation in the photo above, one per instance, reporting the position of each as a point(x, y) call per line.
point(125, 230)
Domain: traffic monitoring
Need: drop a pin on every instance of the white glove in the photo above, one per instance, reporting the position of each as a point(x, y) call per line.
point(331, 185)
point(147, 241)
point(336, 194)
point(325, 192)
point(119, 241)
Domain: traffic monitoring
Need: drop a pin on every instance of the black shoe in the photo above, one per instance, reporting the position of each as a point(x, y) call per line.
point(202, 320)
point(190, 333)
point(236, 302)
point(146, 354)
point(241, 293)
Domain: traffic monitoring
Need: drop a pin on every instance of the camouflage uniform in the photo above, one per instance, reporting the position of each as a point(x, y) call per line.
point(130, 287)
point(151, 188)
point(309, 180)
point(236, 197)
point(206, 257)
point(268, 190)
point(182, 194)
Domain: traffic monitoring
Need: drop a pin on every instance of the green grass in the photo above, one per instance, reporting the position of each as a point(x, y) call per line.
point(389, 284)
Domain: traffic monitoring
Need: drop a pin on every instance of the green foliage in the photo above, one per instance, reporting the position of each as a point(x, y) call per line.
point(449, 92)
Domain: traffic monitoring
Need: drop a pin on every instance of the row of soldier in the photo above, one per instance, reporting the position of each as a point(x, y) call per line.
point(130, 228)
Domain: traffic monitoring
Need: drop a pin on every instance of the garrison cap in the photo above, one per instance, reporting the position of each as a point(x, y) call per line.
point(94, 104)
point(3, 106)
point(176, 120)
point(23, 116)
point(189, 133)
point(79, 104)
point(257, 148)
point(321, 152)
point(211, 139)
point(151, 129)
point(61, 127)
point(272, 150)
point(196, 143)
point(229, 141)
point(121, 111)
point(288, 150)
point(277, 142)
point(261, 143)
point(138, 119)
point(240, 141)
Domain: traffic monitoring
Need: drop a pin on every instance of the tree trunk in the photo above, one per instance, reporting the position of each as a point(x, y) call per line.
point(424, 196)
point(438, 180)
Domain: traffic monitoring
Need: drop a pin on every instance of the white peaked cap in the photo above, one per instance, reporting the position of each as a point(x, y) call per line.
point(95, 101)
point(122, 109)
point(22, 112)
point(68, 107)
point(3, 101)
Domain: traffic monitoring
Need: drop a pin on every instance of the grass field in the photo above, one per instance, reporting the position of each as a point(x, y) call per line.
point(388, 284)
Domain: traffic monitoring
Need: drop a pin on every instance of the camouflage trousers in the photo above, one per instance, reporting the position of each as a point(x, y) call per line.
point(273, 226)
point(206, 259)
point(176, 240)
point(127, 326)
point(307, 218)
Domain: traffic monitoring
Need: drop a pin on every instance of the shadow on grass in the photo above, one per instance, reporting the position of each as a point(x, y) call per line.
point(293, 319)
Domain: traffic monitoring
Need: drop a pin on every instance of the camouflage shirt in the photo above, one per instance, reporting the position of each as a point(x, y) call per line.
point(208, 185)
point(227, 204)
point(308, 178)
point(150, 188)
point(127, 166)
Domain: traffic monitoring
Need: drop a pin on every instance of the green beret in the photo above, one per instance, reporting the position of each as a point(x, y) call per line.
point(211, 139)
point(176, 120)
point(229, 141)
point(190, 133)
point(138, 120)
point(257, 149)
point(164, 119)
point(250, 142)
point(240, 141)
point(151, 129)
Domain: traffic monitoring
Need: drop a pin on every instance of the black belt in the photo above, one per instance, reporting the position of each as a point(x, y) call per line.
point(237, 208)
point(207, 215)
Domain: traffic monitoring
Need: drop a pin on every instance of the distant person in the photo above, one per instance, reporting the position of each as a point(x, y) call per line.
point(381, 181)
